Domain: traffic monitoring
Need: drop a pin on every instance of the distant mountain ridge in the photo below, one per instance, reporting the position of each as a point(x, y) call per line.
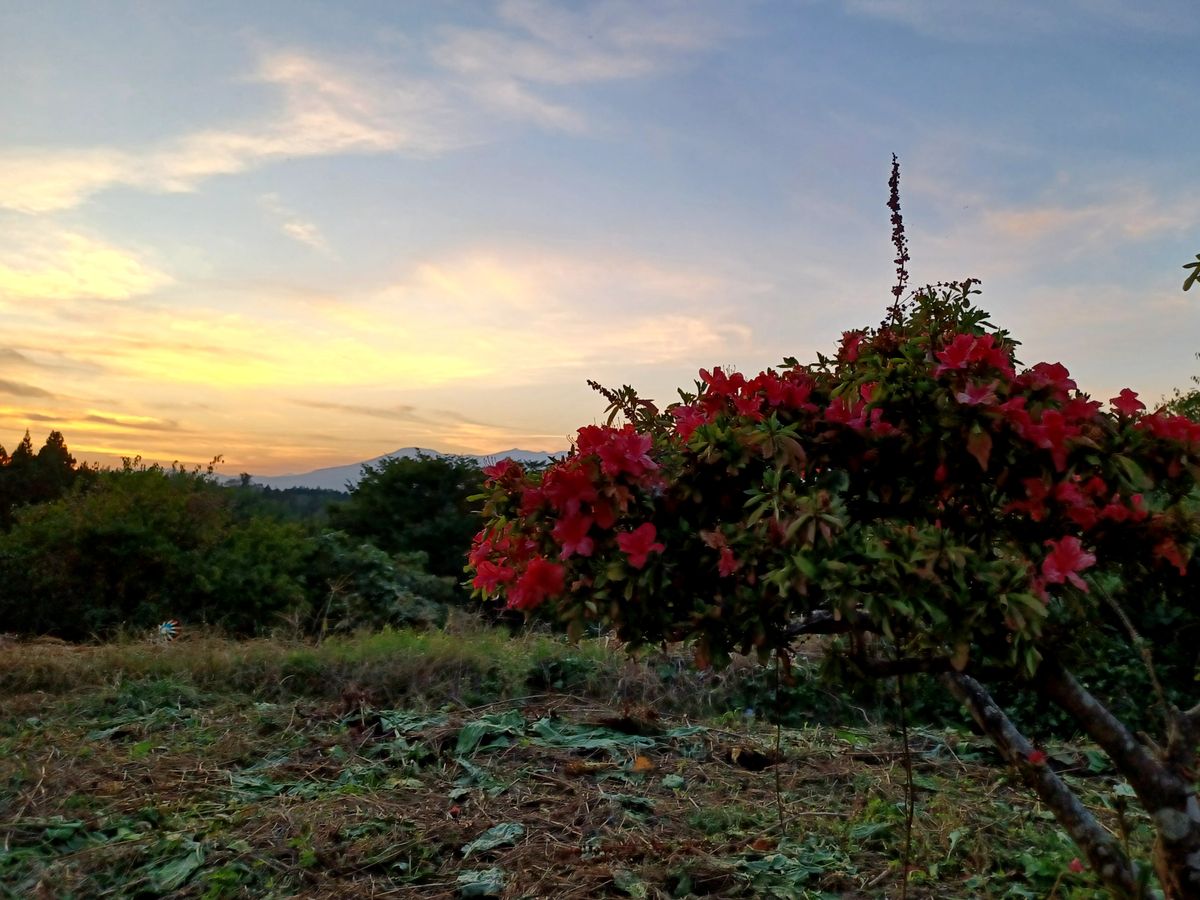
point(336, 478)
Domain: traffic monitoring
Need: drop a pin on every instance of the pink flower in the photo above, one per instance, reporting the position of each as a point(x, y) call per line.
point(638, 544)
point(977, 394)
point(1065, 560)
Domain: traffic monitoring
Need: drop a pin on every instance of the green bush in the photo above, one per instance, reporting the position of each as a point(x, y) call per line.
point(141, 545)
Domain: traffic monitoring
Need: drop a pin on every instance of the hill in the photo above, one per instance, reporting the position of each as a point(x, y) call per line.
point(337, 478)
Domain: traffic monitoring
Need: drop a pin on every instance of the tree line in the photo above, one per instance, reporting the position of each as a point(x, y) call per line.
point(87, 552)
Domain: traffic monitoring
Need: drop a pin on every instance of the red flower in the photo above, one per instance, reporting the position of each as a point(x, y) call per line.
point(1048, 375)
point(967, 349)
point(639, 544)
point(1037, 757)
point(1052, 433)
point(619, 451)
point(728, 564)
point(1167, 549)
point(844, 412)
point(1127, 403)
point(489, 576)
point(572, 533)
point(720, 384)
point(750, 407)
point(504, 469)
point(568, 485)
point(1075, 865)
point(541, 579)
point(956, 355)
point(1036, 492)
point(688, 419)
point(849, 349)
point(1065, 560)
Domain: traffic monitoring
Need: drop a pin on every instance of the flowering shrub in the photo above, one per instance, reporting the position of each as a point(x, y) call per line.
point(915, 494)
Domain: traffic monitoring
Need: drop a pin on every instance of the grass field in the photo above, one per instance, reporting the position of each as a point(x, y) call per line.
point(471, 764)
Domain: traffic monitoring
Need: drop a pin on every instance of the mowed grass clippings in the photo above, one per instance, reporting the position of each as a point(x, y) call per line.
point(164, 785)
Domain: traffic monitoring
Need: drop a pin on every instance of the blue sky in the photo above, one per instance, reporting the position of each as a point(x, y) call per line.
point(300, 234)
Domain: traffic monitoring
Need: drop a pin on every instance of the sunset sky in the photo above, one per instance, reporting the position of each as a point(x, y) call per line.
point(301, 234)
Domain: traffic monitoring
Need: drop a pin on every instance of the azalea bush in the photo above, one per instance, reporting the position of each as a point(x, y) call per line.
point(917, 498)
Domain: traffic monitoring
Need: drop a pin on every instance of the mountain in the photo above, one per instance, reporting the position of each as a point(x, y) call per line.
point(336, 478)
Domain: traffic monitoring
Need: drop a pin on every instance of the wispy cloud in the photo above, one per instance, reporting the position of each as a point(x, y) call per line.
point(17, 389)
point(136, 423)
point(294, 225)
point(41, 264)
point(326, 109)
point(539, 45)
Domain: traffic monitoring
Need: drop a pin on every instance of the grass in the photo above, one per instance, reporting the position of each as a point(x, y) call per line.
point(468, 763)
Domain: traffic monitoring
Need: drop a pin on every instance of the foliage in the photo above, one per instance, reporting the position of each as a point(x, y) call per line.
point(912, 492)
point(1186, 403)
point(143, 544)
point(914, 480)
point(27, 477)
point(367, 588)
point(416, 505)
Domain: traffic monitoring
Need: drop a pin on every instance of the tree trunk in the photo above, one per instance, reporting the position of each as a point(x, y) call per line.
point(1164, 783)
point(1101, 848)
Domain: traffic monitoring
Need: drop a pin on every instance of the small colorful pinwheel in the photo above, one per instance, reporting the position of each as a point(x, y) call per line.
point(168, 631)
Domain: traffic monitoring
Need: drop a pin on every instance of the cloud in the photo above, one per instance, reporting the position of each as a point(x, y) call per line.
point(400, 413)
point(295, 226)
point(551, 45)
point(63, 265)
point(17, 389)
point(326, 110)
point(137, 423)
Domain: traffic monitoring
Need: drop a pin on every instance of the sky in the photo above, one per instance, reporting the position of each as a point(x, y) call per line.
point(299, 234)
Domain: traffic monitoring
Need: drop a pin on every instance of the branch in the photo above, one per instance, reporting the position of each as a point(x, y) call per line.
point(822, 621)
point(1153, 784)
point(1102, 850)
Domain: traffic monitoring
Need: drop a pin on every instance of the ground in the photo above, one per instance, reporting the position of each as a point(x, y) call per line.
point(155, 780)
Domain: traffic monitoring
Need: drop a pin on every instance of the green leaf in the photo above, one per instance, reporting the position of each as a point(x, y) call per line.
point(473, 734)
point(628, 883)
point(481, 883)
point(502, 835)
point(170, 876)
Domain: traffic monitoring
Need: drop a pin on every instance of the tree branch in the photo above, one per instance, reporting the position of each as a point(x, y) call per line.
point(822, 621)
point(1146, 774)
point(1101, 848)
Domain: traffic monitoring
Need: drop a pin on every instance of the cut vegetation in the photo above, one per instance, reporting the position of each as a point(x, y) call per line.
point(401, 765)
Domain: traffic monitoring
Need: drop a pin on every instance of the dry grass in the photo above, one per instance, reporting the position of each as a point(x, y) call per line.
point(157, 782)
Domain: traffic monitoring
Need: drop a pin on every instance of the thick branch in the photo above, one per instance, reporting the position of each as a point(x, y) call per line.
point(1164, 787)
point(1147, 775)
point(1101, 848)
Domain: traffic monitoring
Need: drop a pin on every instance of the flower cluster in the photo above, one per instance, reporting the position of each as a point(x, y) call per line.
point(917, 460)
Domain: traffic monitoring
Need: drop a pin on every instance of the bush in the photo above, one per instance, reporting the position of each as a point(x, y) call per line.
point(141, 545)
